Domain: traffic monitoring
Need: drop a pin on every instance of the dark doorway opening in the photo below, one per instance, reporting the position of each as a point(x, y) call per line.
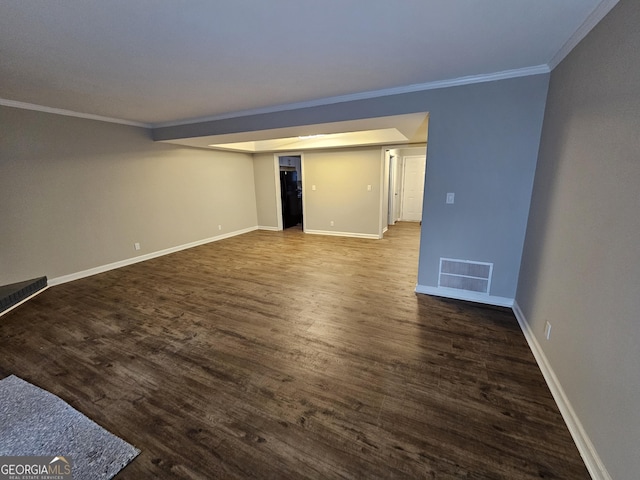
point(291, 190)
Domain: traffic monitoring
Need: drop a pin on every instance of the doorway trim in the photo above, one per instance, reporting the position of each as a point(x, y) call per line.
point(383, 224)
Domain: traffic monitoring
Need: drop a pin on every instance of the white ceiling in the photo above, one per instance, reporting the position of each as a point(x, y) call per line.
point(166, 61)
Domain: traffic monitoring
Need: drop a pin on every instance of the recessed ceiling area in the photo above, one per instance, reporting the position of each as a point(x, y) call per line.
point(390, 130)
point(331, 140)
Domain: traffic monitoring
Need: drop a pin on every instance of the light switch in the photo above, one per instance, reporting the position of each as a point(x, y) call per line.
point(368, 188)
point(451, 197)
point(313, 187)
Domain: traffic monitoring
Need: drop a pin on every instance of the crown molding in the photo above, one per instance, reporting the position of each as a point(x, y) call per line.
point(454, 82)
point(70, 113)
point(592, 20)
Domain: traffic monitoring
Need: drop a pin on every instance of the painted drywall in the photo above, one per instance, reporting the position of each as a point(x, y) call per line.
point(336, 175)
point(410, 151)
point(341, 179)
point(483, 145)
point(265, 190)
point(76, 194)
point(581, 263)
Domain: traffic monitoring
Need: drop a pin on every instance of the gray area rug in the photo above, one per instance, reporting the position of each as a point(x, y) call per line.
point(36, 422)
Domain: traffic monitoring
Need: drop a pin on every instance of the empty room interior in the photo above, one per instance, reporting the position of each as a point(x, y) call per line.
point(285, 240)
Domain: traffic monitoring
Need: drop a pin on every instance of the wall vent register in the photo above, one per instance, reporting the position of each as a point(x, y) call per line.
point(465, 275)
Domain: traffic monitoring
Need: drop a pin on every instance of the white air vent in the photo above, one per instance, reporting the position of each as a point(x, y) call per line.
point(465, 275)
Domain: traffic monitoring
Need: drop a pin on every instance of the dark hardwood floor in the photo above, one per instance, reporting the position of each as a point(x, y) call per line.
point(280, 355)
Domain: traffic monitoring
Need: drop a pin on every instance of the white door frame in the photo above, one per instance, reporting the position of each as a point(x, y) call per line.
point(384, 180)
point(393, 160)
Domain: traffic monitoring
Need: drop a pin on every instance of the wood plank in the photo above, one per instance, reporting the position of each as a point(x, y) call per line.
point(289, 356)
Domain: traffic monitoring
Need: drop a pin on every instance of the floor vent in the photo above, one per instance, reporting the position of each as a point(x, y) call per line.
point(465, 275)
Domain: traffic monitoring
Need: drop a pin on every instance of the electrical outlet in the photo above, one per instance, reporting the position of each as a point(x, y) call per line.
point(451, 198)
point(547, 331)
point(368, 188)
point(219, 227)
point(331, 223)
point(136, 246)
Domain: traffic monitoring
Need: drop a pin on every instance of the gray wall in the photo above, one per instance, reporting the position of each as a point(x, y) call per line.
point(76, 194)
point(408, 151)
point(581, 263)
point(266, 193)
point(341, 179)
point(483, 145)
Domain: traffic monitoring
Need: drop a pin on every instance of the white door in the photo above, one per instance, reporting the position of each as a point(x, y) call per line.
point(413, 187)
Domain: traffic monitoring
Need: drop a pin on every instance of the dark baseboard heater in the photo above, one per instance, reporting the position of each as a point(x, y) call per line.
point(12, 294)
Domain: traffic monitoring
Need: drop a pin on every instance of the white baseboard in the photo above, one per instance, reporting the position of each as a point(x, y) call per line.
point(343, 234)
point(465, 295)
point(270, 229)
point(130, 261)
point(586, 448)
point(23, 301)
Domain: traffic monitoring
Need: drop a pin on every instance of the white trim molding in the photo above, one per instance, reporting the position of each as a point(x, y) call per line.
point(587, 450)
point(130, 261)
point(592, 20)
point(371, 236)
point(452, 82)
point(465, 295)
point(70, 113)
